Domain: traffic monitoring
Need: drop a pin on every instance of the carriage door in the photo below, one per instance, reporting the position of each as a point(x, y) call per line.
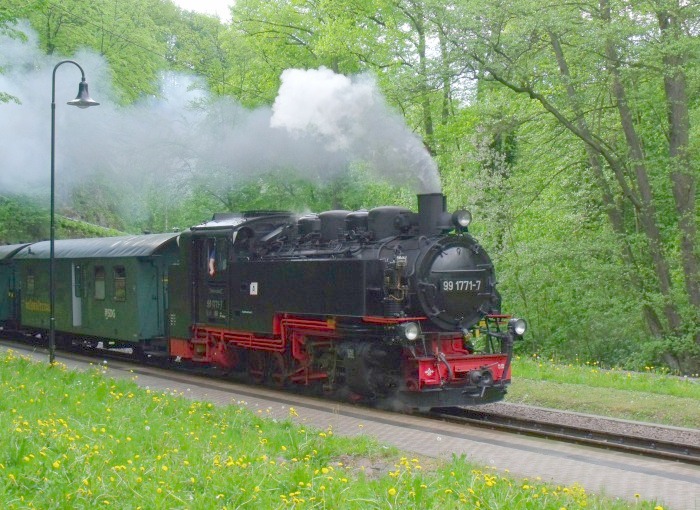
point(77, 285)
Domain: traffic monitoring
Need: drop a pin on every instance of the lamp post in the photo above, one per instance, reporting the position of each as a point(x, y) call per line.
point(83, 100)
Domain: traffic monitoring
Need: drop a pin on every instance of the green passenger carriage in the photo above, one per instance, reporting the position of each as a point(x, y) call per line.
point(111, 288)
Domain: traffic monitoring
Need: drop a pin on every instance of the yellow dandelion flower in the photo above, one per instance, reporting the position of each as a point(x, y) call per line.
point(392, 492)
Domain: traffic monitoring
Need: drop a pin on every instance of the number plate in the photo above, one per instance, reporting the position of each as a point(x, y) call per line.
point(462, 285)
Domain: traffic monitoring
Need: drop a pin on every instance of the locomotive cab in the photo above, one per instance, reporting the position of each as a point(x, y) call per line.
point(380, 305)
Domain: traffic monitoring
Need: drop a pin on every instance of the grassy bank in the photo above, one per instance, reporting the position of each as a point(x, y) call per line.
point(652, 396)
point(83, 440)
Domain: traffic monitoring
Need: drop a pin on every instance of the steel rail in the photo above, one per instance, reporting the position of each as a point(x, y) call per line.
point(649, 447)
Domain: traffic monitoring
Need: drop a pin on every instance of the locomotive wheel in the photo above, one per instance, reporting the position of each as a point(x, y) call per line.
point(279, 375)
point(256, 366)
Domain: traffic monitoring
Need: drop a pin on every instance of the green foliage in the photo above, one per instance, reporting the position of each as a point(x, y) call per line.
point(510, 119)
point(22, 220)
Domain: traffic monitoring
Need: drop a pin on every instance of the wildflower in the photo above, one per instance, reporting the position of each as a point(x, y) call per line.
point(392, 492)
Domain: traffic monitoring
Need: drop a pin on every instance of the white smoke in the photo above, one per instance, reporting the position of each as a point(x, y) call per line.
point(321, 123)
point(350, 116)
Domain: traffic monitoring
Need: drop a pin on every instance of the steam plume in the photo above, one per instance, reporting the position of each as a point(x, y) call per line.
point(320, 123)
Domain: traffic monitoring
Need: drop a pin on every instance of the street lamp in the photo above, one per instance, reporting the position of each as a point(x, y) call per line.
point(83, 100)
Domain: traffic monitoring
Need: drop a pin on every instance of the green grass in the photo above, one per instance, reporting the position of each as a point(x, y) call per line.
point(650, 396)
point(83, 440)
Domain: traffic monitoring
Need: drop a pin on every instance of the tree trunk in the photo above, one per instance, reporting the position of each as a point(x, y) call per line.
point(683, 177)
point(647, 211)
point(615, 215)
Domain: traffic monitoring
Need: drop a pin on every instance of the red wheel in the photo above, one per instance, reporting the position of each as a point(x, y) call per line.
point(279, 375)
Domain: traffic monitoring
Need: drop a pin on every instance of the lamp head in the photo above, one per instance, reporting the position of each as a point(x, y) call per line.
point(83, 100)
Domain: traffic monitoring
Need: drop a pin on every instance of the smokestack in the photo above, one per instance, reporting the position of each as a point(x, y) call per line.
point(430, 208)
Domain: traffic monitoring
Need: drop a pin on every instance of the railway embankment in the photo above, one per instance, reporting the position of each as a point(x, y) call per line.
point(653, 395)
point(85, 440)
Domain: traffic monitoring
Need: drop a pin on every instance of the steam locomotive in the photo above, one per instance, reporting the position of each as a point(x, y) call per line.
point(386, 306)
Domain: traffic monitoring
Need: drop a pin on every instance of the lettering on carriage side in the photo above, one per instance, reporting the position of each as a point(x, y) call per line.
point(34, 305)
point(253, 288)
point(110, 313)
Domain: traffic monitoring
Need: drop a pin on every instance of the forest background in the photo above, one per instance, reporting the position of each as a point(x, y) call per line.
point(569, 129)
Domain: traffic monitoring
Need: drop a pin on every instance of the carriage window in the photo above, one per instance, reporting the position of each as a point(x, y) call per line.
point(99, 282)
point(30, 284)
point(78, 281)
point(119, 283)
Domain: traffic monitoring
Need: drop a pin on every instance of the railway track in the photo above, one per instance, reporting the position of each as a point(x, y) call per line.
point(668, 450)
point(689, 454)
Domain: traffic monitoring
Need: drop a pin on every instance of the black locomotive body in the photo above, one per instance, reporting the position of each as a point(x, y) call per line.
point(381, 306)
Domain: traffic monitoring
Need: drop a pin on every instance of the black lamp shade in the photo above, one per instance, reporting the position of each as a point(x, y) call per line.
point(83, 100)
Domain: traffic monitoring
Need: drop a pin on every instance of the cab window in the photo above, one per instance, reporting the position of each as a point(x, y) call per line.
point(215, 256)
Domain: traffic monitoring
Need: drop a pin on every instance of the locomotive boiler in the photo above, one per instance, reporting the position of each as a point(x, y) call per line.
point(385, 306)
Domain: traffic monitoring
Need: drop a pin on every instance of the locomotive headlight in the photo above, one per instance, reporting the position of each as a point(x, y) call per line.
point(462, 218)
point(409, 330)
point(517, 326)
